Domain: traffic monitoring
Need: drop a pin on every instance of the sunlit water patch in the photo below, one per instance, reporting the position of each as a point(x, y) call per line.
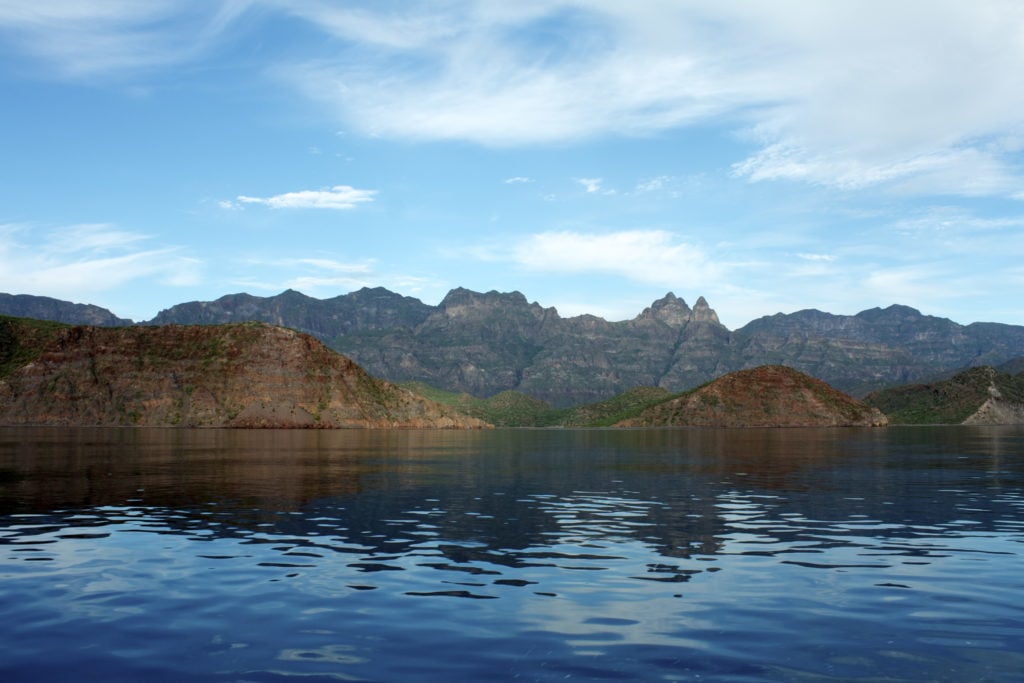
point(798, 555)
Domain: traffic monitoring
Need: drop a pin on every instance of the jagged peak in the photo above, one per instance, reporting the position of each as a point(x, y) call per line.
point(702, 312)
point(669, 309)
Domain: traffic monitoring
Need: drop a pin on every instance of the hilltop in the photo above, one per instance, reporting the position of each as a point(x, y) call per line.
point(767, 396)
point(237, 375)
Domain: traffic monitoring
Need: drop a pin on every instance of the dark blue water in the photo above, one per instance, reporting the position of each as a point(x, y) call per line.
point(685, 555)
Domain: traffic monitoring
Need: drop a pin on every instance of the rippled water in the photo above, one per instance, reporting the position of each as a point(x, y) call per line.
point(677, 555)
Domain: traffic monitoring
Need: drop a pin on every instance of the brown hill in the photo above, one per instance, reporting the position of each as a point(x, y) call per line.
point(767, 396)
point(238, 375)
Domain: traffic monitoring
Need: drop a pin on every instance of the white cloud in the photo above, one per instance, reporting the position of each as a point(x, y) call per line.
point(652, 256)
point(79, 261)
point(653, 184)
point(920, 94)
point(591, 185)
point(518, 180)
point(817, 257)
point(83, 39)
point(337, 197)
point(325, 276)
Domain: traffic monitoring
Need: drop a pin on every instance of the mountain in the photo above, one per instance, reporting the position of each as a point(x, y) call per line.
point(45, 308)
point(767, 396)
point(366, 311)
point(235, 375)
point(981, 395)
point(1014, 366)
point(486, 343)
point(483, 344)
point(877, 347)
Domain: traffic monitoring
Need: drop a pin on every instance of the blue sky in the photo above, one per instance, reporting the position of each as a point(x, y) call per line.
point(770, 156)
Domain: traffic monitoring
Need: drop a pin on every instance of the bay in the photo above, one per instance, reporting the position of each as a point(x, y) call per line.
point(537, 555)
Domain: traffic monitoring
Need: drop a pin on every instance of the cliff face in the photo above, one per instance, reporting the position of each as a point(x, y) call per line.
point(240, 375)
point(767, 396)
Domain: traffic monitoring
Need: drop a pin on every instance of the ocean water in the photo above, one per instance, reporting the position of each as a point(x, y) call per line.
point(512, 555)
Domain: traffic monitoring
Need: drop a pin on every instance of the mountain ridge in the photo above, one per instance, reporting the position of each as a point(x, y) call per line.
point(483, 343)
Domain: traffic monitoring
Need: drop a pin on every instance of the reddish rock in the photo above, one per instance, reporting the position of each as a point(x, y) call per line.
point(238, 375)
point(767, 396)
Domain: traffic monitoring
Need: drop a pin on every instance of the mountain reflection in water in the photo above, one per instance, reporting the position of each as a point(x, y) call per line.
point(151, 554)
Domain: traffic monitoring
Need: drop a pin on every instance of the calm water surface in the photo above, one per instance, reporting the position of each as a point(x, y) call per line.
point(672, 555)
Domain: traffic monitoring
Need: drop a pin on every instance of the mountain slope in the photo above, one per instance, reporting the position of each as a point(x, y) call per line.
point(981, 395)
point(239, 375)
point(767, 396)
point(45, 308)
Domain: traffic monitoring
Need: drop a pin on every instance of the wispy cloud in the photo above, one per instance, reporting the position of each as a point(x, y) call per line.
point(920, 96)
point(339, 197)
point(923, 98)
point(518, 180)
point(591, 185)
point(326, 276)
point(78, 261)
point(84, 39)
point(817, 257)
point(652, 256)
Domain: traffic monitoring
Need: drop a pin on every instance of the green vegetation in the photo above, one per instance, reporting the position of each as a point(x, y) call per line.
point(608, 412)
point(513, 409)
point(22, 340)
point(948, 402)
point(506, 409)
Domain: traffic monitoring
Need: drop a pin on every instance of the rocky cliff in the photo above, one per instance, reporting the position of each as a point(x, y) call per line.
point(237, 375)
point(981, 395)
point(767, 396)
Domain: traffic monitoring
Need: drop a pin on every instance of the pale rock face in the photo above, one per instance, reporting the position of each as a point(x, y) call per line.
point(997, 412)
point(670, 310)
point(703, 313)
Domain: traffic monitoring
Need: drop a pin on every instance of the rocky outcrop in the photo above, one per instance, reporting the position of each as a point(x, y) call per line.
point(238, 375)
point(767, 396)
point(996, 411)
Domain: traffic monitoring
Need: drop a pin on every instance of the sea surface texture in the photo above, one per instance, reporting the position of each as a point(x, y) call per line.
point(534, 555)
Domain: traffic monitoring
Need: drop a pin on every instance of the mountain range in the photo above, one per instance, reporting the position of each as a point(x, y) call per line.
point(486, 343)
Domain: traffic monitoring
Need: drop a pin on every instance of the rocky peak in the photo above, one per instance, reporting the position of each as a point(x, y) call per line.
point(461, 302)
point(703, 313)
point(669, 309)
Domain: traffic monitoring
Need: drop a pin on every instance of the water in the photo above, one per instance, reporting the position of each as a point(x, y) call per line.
point(533, 555)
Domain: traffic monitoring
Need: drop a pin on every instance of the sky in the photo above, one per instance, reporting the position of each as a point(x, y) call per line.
point(593, 155)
